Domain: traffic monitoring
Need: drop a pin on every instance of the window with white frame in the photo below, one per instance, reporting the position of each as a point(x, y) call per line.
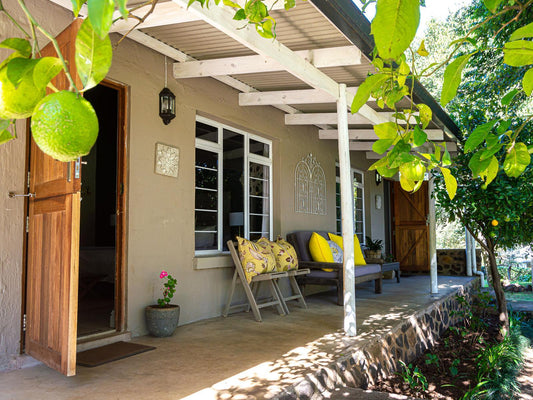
point(359, 202)
point(233, 186)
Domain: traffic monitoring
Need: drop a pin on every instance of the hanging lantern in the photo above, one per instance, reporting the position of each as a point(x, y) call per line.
point(379, 178)
point(167, 105)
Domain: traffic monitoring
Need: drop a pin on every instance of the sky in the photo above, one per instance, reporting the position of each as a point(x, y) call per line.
point(438, 9)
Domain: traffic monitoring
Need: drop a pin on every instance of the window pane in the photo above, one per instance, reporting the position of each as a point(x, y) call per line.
point(338, 212)
point(359, 215)
point(206, 200)
point(259, 148)
point(206, 241)
point(233, 208)
point(259, 205)
point(206, 179)
point(206, 159)
point(359, 228)
point(358, 177)
point(260, 224)
point(259, 180)
point(206, 132)
point(206, 221)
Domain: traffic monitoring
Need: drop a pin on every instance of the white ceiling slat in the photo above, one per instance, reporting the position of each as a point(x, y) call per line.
point(303, 96)
point(331, 118)
point(320, 58)
point(368, 134)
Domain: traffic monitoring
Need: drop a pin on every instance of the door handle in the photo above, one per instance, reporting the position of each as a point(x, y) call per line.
point(13, 195)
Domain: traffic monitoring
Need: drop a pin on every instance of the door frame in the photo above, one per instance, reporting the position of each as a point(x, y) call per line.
point(123, 92)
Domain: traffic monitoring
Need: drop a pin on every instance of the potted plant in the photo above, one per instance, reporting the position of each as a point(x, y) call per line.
point(162, 318)
point(373, 247)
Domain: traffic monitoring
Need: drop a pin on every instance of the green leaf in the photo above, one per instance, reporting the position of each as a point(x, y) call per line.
point(93, 55)
point(362, 95)
point(239, 15)
point(517, 160)
point(386, 130)
point(230, 3)
point(45, 70)
point(452, 78)
point(267, 28)
point(476, 165)
point(5, 136)
point(492, 5)
point(518, 53)
point(387, 172)
point(527, 82)
point(121, 5)
point(101, 15)
point(20, 68)
point(407, 184)
point(504, 125)
point(450, 182)
point(255, 10)
point(288, 4)
point(478, 135)
point(446, 158)
point(382, 145)
point(508, 98)
point(76, 6)
point(491, 171)
point(394, 26)
point(420, 137)
point(425, 114)
point(21, 46)
point(523, 32)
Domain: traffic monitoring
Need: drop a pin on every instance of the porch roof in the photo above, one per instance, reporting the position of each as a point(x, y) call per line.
point(332, 36)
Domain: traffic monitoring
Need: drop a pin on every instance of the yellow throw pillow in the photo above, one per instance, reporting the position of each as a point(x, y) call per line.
point(284, 253)
point(256, 257)
point(319, 248)
point(359, 259)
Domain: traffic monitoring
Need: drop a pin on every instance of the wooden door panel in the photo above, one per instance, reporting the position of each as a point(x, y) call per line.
point(410, 230)
point(53, 245)
point(53, 267)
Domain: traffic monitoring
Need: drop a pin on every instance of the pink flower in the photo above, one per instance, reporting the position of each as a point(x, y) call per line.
point(163, 274)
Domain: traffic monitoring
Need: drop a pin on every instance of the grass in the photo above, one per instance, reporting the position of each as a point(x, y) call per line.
point(520, 296)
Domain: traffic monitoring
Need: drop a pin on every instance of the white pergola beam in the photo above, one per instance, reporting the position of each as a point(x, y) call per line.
point(369, 134)
point(367, 146)
point(331, 119)
point(303, 96)
point(168, 13)
point(320, 58)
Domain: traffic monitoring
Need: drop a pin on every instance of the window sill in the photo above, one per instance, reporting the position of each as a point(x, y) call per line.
point(212, 261)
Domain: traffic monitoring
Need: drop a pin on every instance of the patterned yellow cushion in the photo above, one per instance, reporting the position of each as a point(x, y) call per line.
point(285, 254)
point(256, 257)
point(359, 259)
point(319, 248)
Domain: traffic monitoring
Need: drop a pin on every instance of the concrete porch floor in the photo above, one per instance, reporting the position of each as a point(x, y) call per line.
point(236, 357)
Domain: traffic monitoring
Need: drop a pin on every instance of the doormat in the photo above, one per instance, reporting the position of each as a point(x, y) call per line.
point(110, 352)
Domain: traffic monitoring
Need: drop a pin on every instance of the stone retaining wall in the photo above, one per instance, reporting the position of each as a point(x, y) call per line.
point(453, 261)
point(380, 356)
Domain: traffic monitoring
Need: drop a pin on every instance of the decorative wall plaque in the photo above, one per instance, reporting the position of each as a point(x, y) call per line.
point(166, 160)
point(310, 187)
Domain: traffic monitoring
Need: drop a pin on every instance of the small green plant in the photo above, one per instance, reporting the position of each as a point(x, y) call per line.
point(454, 370)
point(432, 359)
point(413, 377)
point(169, 289)
point(373, 245)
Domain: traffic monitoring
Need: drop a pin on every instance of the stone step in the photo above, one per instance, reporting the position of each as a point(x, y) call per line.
point(347, 393)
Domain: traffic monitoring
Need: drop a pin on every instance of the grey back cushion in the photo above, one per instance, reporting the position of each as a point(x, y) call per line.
point(300, 241)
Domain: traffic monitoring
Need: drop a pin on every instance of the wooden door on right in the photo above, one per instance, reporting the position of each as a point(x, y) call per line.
point(410, 220)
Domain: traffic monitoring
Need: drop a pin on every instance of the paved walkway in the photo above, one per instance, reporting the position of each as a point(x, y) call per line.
point(235, 357)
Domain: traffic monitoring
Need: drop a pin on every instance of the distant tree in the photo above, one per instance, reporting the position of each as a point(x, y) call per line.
point(499, 216)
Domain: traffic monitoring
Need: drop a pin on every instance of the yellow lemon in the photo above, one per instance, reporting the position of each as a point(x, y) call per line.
point(494, 222)
point(64, 126)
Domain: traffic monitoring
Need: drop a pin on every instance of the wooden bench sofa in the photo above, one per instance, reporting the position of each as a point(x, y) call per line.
point(363, 273)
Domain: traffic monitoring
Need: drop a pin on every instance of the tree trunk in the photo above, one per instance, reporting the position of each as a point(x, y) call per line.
point(498, 290)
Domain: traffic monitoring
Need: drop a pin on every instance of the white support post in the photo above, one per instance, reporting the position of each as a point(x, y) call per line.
point(347, 215)
point(468, 245)
point(432, 241)
point(473, 256)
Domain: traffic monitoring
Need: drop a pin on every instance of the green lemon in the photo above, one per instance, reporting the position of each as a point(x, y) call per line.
point(64, 126)
point(18, 102)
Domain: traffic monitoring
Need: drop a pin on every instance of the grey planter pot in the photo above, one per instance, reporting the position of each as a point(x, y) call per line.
point(162, 322)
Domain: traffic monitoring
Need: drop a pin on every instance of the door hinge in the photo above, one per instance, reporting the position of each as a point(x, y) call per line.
point(24, 323)
point(28, 183)
point(27, 223)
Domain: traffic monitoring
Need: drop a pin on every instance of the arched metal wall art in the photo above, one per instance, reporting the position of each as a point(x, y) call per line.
point(310, 187)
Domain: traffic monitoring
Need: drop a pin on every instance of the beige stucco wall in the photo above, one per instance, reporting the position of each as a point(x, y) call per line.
point(160, 213)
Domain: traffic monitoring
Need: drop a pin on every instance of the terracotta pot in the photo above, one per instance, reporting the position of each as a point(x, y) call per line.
point(162, 322)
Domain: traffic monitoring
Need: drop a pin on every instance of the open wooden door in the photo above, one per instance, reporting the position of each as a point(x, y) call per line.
point(411, 228)
point(53, 244)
